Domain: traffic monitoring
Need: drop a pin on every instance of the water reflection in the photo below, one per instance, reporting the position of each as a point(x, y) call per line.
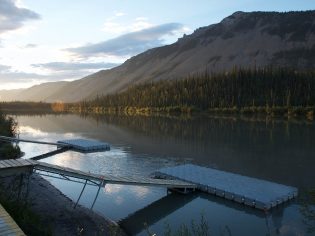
point(271, 222)
point(280, 151)
point(156, 211)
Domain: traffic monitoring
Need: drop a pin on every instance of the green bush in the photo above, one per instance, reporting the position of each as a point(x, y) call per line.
point(8, 128)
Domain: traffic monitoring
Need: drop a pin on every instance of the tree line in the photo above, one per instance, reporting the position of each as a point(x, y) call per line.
point(238, 89)
point(279, 91)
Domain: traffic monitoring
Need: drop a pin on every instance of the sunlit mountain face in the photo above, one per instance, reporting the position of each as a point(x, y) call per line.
point(240, 40)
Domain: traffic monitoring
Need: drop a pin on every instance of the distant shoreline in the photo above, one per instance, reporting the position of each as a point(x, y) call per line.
point(298, 112)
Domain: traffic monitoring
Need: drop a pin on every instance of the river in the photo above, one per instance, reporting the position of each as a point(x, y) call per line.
point(275, 150)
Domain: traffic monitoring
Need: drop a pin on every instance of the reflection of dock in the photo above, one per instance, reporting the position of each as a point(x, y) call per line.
point(49, 154)
point(253, 192)
point(133, 224)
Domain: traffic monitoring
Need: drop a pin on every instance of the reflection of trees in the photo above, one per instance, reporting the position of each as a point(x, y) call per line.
point(308, 210)
point(26, 106)
point(230, 130)
point(266, 149)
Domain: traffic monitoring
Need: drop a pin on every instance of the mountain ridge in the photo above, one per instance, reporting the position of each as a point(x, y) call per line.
point(248, 40)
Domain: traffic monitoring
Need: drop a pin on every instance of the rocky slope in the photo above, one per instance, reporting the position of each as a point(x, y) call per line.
point(255, 39)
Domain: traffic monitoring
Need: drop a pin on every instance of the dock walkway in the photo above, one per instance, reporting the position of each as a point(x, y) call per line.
point(15, 164)
point(81, 145)
point(257, 193)
point(253, 192)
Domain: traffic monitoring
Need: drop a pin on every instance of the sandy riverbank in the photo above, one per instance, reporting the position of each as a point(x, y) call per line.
point(55, 210)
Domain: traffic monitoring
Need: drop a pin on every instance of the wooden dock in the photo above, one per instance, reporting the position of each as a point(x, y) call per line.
point(10, 139)
point(253, 192)
point(8, 225)
point(15, 164)
point(257, 193)
point(111, 179)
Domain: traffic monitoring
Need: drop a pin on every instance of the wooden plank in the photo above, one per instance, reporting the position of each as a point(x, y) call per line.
point(5, 215)
point(19, 164)
point(6, 164)
point(6, 231)
point(8, 225)
point(2, 165)
point(31, 162)
point(12, 163)
point(22, 162)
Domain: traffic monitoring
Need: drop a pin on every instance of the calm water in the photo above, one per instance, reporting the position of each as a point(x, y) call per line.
point(279, 151)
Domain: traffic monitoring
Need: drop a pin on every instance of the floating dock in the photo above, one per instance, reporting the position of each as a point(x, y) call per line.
point(84, 145)
point(257, 193)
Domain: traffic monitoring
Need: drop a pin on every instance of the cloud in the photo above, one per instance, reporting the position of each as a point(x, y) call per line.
point(16, 80)
point(4, 68)
point(18, 76)
point(119, 14)
point(130, 43)
point(12, 17)
point(69, 66)
point(30, 45)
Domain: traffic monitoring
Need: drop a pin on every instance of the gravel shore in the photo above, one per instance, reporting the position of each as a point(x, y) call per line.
point(55, 209)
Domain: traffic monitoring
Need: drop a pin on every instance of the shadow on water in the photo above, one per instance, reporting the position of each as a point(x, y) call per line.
point(159, 210)
point(156, 211)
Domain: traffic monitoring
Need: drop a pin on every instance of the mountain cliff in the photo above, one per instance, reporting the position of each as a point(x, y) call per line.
point(247, 40)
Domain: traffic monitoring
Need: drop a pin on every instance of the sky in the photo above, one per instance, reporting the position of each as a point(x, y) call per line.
point(54, 40)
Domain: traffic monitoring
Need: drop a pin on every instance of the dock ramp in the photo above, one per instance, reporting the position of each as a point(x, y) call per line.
point(14, 165)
